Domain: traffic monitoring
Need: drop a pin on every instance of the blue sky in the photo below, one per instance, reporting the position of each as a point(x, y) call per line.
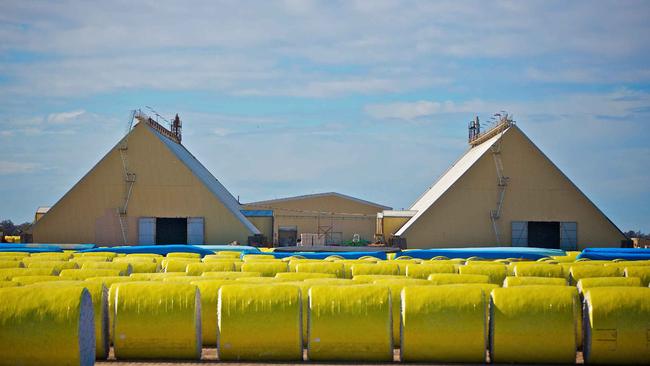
point(367, 98)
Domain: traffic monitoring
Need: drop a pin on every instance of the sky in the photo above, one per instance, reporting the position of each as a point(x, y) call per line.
point(365, 98)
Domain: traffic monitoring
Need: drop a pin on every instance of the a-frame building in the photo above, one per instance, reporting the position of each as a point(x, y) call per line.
point(505, 192)
point(148, 189)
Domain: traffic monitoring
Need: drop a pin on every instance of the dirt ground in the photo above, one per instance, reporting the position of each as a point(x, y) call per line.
point(209, 357)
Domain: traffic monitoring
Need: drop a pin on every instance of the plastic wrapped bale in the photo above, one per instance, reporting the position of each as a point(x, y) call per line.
point(177, 264)
point(380, 268)
point(209, 290)
point(334, 268)
point(444, 324)
point(396, 286)
point(82, 274)
point(227, 253)
point(155, 320)
point(616, 325)
point(350, 323)
point(641, 272)
point(534, 324)
point(404, 263)
point(155, 276)
point(258, 257)
point(294, 262)
point(28, 280)
point(124, 268)
point(49, 327)
point(451, 278)
point(11, 264)
point(348, 263)
point(57, 266)
point(197, 269)
point(8, 273)
point(423, 271)
point(50, 256)
point(99, 296)
point(591, 282)
point(330, 281)
point(81, 260)
point(230, 275)
point(361, 279)
point(110, 255)
point(512, 281)
point(235, 261)
point(265, 268)
point(156, 257)
point(260, 280)
point(496, 272)
point(109, 282)
point(9, 284)
point(580, 272)
point(144, 267)
point(295, 276)
point(13, 255)
point(260, 323)
point(538, 270)
point(183, 255)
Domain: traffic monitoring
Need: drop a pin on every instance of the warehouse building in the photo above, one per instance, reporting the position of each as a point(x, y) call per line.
point(315, 219)
point(503, 191)
point(148, 189)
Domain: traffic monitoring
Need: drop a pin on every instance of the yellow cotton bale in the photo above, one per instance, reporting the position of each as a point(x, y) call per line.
point(209, 290)
point(265, 268)
point(334, 268)
point(423, 270)
point(348, 263)
point(7, 274)
point(396, 286)
point(82, 274)
point(260, 280)
point(185, 279)
point(52, 256)
point(156, 320)
point(588, 271)
point(81, 260)
point(350, 323)
point(156, 257)
point(616, 325)
point(380, 268)
point(404, 263)
point(330, 281)
point(109, 281)
point(177, 264)
point(197, 269)
point(11, 264)
point(28, 280)
point(451, 278)
point(496, 272)
point(57, 266)
point(360, 279)
point(183, 255)
point(144, 267)
point(641, 272)
point(110, 255)
point(260, 323)
point(227, 253)
point(512, 281)
point(124, 268)
point(9, 284)
point(534, 324)
point(443, 324)
point(538, 270)
point(155, 276)
point(295, 276)
point(591, 282)
point(234, 261)
point(19, 255)
point(126, 259)
point(293, 262)
point(53, 326)
point(258, 257)
point(230, 275)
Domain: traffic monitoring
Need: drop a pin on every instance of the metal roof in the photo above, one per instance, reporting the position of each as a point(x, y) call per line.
point(42, 209)
point(316, 195)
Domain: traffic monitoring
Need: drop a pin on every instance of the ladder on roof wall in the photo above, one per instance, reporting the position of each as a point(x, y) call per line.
point(502, 183)
point(129, 180)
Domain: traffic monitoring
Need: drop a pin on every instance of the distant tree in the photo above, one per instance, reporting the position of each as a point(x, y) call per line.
point(7, 227)
point(23, 228)
point(636, 234)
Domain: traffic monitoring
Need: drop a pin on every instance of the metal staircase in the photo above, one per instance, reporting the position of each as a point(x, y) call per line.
point(129, 180)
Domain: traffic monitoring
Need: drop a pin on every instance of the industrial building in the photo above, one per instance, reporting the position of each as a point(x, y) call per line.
point(315, 219)
point(502, 192)
point(148, 189)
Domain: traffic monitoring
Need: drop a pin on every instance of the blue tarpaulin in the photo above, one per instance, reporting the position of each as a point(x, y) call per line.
point(485, 253)
point(152, 249)
point(615, 253)
point(23, 249)
point(323, 255)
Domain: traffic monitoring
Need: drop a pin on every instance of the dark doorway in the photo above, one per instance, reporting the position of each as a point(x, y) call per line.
point(171, 230)
point(544, 234)
point(287, 236)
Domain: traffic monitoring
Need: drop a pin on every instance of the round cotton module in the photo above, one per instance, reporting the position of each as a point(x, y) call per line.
point(177, 264)
point(155, 276)
point(197, 269)
point(259, 280)
point(156, 320)
point(641, 272)
point(450, 278)
point(96, 254)
point(350, 323)
point(82, 260)
point(404, 263)
point(99, 296)
point(28, 280)
point(18, 255)
point(330, 281)
point(156, 257)
point(512, 281)
point(8, 273)
point(443, 324)
point(209, 290)
point(258, 257)
point(109, 282)
point(361, 279)
point(53, 326)
point(57, 266)
point(52, 255)
point(183, 255)
point(184, 279)
point(127, 259)
point(229, 275)
point(9, 284)
point(265, 268)
point(588, 271)
point(293, 263)
point(423, 271)
point(396, 286)
point(124, 268)
point(380, 268)
point(591, 282)
point(234, 261)
point(496, 272)
point(295, 276)
point(227, 253)
point(334, 268)
point(534, 324)
point(82, 274)
point(11, 264)
point(260, 323)
point(538, 270)
point(348, 263)
point(144, 267)
point(616, 325)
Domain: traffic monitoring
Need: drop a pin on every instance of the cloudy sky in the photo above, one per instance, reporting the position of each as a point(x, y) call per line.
point(367, 98)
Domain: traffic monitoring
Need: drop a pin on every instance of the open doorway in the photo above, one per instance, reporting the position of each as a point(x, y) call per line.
point(171, 230)
point(544, 234)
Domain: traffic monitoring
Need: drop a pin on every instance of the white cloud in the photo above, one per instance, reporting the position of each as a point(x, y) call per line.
point(11, 168)
point(64, 117)
point(422, 108)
